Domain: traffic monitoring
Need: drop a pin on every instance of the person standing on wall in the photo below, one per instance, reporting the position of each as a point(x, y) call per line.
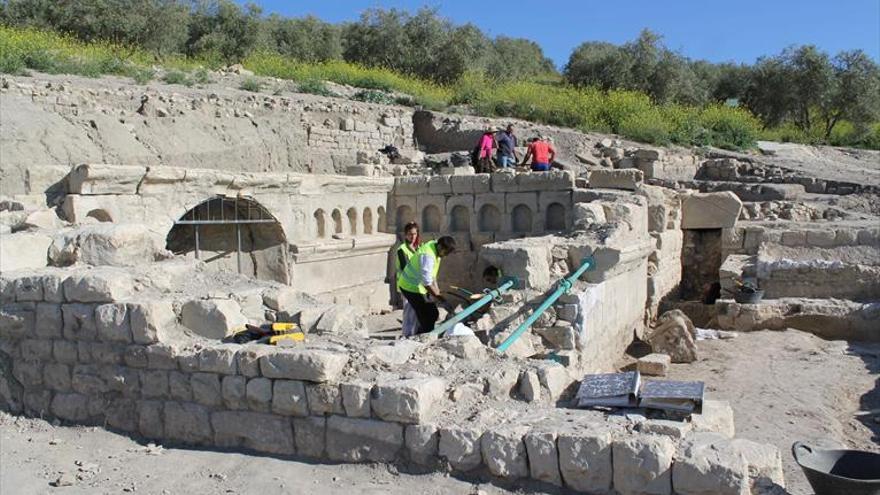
point(506, 148)
point(487, 143)
point(542, 153)
point(419, 280)
point(405, 250)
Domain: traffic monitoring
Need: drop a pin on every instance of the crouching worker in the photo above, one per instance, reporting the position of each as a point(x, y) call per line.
point(418, 282)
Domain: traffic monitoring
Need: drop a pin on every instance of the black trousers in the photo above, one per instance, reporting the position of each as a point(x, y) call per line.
point(426, 311)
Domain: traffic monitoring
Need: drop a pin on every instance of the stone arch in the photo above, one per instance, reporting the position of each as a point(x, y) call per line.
point(381, 225)
point(460, 219)
point(232, 234)
point(490, 218)
point(405, 215)
point(555, 219)
point(100, 215)
point(337, 221)
point(521, 219)
point(431, 219)
point(368, 221)
point(352, 215)
point(320, 223)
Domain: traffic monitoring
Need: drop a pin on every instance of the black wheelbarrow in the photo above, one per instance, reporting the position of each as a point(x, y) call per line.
point(839, 472)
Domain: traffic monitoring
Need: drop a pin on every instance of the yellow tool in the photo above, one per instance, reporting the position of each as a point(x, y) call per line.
point(283, 327)
point(293, 337)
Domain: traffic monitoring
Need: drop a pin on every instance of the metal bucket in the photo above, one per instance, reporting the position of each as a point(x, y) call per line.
point(839, 472)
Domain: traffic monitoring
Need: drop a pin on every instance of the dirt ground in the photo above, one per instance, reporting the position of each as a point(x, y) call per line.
point(784, 386)
point(789, 386)
point(34, 454)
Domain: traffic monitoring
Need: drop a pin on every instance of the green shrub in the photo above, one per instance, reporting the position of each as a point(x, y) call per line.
point(141, 76)
point(621, 105)
point(374, 96)
point(201, 76)
point(647, 126)
point(315, 87)
point(251, 84)
point(177, 77)
point(730, 128)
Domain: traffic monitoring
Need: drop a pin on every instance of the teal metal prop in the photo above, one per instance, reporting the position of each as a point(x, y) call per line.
point(564, 286)
point(506, 285)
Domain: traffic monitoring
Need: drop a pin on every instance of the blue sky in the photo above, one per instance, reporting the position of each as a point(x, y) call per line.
point(716, 31)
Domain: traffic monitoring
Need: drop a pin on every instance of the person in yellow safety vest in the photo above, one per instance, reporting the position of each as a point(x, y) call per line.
point(404, 252)
point(419, 280)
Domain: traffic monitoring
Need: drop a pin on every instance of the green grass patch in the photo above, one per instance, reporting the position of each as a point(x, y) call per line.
point(315, 87)
point(374, 96)
point(177, 77)
point(251, 84)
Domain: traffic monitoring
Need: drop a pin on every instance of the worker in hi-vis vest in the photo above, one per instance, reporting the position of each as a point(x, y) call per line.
point(405, 250)
point(419, 280)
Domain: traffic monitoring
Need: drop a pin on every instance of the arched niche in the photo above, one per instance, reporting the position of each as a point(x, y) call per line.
point(521, 219)
point(404, 216)
point(368, 221)
point(234, 234)
point(460, 219)
point(490, 218)
point(320, 223)
point(555, 217)
point(431, 217)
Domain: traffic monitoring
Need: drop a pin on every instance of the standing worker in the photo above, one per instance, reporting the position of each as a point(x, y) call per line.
point(487, 143)
point(542, 152)
point(407, 248)
point(419, 279)
point(507, 148)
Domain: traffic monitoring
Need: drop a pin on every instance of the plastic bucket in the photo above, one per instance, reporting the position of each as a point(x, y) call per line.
point(839, 472)
point(748, 297)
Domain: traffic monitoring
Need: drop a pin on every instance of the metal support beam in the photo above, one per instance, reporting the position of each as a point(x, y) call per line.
point(506, 285)
point(238, 246)
point(197, 240)
point(564, 286)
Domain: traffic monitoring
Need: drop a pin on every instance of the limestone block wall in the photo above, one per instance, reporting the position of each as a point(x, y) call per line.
point(748, 238)
point(591, 326)
point(730, 169)
point(326, 225)
point(110, 121)
point(659, 165)
point(84, 351)
point(480, 209)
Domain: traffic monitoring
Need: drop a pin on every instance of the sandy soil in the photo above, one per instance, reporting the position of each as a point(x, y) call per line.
point(790, 386)
point(34, 454)
point(784, 386)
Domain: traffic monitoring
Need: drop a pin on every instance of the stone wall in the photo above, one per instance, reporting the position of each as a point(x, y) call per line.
point(91, 121)
point(480, 209)
point(84, 350)
point(323, 223)
point(749, 239)
point(730, 169)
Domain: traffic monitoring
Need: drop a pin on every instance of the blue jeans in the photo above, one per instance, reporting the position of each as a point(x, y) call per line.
point(506, 161)
point(540, 167)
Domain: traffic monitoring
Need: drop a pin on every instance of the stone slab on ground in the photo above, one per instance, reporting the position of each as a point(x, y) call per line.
point(654, 364)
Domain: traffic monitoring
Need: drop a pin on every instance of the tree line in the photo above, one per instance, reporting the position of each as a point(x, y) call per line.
point(801, 87)
point(421, 44)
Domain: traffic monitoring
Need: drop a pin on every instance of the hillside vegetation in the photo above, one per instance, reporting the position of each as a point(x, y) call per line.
point(640, 90)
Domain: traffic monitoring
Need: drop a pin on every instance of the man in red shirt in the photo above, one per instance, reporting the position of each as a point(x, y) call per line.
point(542, 153)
